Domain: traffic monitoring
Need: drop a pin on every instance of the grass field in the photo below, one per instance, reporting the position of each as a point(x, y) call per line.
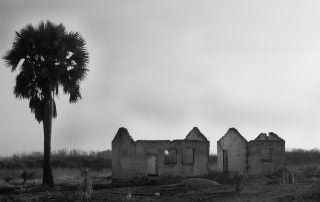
point(184, 191)
point(61, 175)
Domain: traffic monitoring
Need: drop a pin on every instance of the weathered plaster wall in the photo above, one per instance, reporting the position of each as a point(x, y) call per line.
point(122, 150)
point(195, 134)
point(264, 155)
point(198, 168)
point(259, 164)
point(130, 158)
point(236, 148)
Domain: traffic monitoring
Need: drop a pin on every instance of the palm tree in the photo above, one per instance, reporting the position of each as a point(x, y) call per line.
point(48, 57)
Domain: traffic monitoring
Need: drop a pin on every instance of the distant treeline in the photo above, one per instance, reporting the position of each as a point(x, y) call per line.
point(102, 160)
point(60, 159)
point(293, 157)
point(301, 156)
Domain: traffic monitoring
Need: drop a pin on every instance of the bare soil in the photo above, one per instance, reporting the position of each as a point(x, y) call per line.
point(183, 192)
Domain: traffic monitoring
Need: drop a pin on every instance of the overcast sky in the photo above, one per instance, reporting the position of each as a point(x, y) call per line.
point(159, 68)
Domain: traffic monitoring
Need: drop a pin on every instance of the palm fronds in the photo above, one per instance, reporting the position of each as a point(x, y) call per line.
point(52, 57)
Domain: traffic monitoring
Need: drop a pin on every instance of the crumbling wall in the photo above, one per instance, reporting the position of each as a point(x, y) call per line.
point(141, 158)
point(235, 146)
point(195, 134)
point(122, 158)
point(198, 167)
point(266, 156)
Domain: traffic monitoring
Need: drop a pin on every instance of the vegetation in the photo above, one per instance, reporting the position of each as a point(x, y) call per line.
point(293, 157)
point(300, 156)
point(48, 57)
point(60, 159)
point(98, 160)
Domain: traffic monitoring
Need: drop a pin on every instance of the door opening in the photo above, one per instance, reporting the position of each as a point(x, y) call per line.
point(152, 167)
point(225, 161)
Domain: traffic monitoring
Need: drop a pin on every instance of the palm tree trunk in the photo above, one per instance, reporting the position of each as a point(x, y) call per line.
point(47, 126)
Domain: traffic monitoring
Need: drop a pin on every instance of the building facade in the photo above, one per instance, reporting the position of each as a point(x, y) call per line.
point(266, 154)
point(231, 152)
point(134, 159)
point(263, 155)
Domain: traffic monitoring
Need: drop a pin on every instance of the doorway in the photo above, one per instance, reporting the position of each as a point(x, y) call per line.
point(225, 161)
point(152, 166)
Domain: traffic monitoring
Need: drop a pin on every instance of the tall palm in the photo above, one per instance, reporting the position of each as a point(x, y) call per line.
point(48, 57)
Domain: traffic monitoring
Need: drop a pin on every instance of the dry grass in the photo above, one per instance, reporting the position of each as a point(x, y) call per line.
point(61, 175)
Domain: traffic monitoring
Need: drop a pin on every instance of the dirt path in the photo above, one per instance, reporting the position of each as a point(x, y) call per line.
point(183, 193)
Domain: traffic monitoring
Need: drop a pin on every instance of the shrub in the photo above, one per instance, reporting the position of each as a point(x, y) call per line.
point(300, 156)
point(60, 159)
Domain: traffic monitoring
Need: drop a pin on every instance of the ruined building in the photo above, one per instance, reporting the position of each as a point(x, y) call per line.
point(231, 152)
point(266, 154)
point(263, 155)
point(141, 158)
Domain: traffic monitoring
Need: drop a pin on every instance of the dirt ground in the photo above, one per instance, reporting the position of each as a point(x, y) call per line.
point(194, 191)
point(301, 192)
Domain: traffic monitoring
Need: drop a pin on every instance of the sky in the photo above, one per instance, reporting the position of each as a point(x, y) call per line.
point(159, 68)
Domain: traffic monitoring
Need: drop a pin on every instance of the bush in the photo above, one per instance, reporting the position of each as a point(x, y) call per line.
point(60, 159)
point(300, 156)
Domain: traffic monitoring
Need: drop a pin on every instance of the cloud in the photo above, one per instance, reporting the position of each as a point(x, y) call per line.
point(160, 68)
